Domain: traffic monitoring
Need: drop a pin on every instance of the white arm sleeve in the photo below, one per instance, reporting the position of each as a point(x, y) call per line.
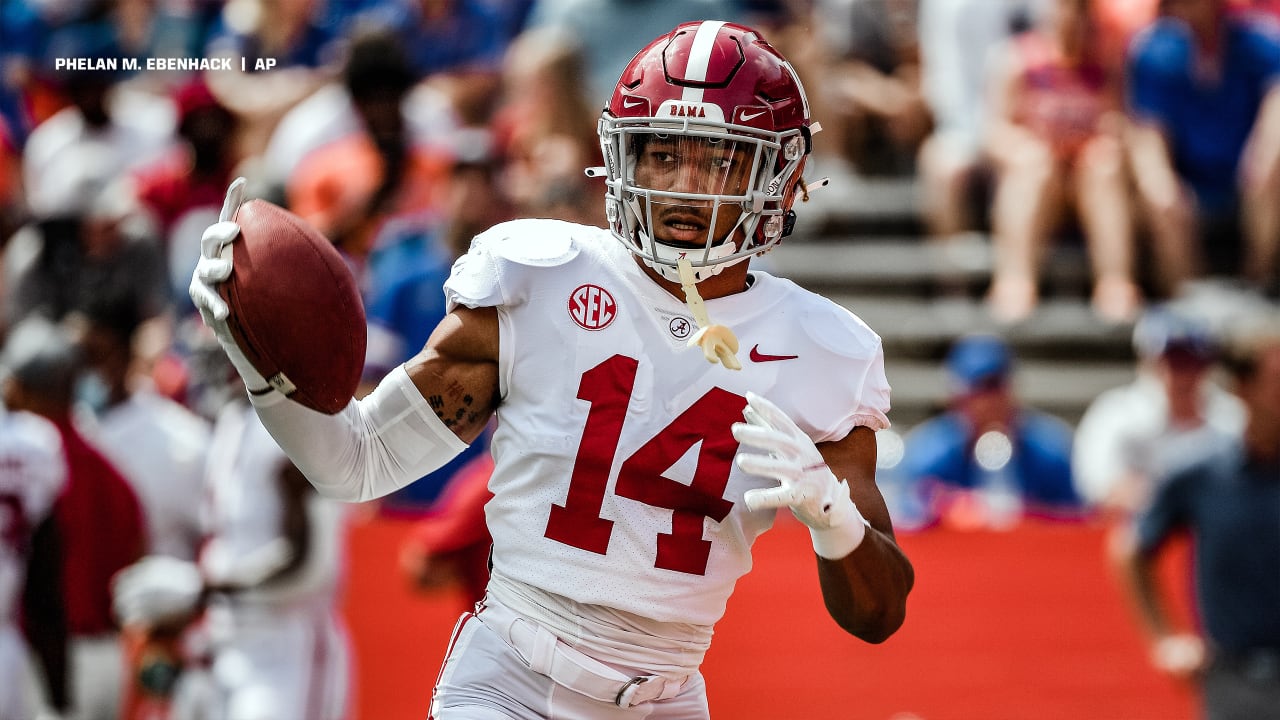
point(371, 448)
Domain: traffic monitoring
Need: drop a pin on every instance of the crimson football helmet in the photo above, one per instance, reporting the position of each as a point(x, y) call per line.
point(704, 141)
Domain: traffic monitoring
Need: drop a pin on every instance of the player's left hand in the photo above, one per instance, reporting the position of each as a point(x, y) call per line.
point(805, 482)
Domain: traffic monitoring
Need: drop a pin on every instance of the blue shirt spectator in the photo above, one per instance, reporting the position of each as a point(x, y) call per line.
point(1205, 114)
point(987, 433)
point(467, 34)
point(1229, 501)
point(406, 302)
point(312, 43)
point(24, 35)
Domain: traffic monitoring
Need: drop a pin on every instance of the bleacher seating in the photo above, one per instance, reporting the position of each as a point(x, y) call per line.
point(864, 246)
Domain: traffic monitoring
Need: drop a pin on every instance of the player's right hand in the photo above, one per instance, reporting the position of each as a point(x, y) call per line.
point(214, 267)
point(805, 483)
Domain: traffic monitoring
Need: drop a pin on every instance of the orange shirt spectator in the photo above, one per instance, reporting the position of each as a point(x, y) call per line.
point(334, 186)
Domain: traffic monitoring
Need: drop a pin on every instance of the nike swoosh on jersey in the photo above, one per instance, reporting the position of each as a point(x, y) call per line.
point(757, 356)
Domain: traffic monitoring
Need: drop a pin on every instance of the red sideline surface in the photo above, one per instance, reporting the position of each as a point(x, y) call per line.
point(1022, 625)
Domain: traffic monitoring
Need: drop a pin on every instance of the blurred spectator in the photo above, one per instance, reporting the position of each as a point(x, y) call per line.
point(99, 249)
point(293, 33)
point(330, 114)
point(160, 28)
point(956, 42)
point(183, 190)
point(93, 140)
point(350, 188)
point(1131, 435)
point(36, 34)
point(1262, 8)
point(876, 113)
point(449, 547)
point(272, 569)
point(1227, 498)
point(288, 52)
point(249, 631)
point(12, 201)
point(32, 475)
point(456, 46)
point(1055, 142)
point(158, 445)
point(408, 266)
point(1117, 22)
point(98, 516)
point(1205, 142)
point(406, 296)
point(988, 459)
point(20, 26)
point(546, 130)
point(601, 25)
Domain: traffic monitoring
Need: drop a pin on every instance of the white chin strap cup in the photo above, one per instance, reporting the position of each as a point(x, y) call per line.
point(673, 255)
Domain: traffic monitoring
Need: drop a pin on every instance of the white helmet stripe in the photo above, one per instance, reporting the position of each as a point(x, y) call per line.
point(700, 58)
point(804, 99)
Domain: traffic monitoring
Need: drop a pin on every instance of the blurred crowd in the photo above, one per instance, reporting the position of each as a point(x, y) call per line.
point(1146, 131)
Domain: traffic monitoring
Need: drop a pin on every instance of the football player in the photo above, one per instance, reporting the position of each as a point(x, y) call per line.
point(631, 476)
point(32, 475)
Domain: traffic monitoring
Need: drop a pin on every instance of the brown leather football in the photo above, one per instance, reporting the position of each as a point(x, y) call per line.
point(295, 308)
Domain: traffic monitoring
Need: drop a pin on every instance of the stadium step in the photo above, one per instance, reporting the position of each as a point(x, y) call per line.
point(865, 249)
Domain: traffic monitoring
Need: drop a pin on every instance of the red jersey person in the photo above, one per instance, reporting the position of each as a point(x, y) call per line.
point(98, 516)
point(32, 474)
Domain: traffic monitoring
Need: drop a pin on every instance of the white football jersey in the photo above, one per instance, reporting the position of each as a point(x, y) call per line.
point(160, 448)
point(244, 516)
point(614, 482)
point(32, 474)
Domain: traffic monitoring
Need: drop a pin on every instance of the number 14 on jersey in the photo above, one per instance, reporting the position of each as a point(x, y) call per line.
point(608, 387)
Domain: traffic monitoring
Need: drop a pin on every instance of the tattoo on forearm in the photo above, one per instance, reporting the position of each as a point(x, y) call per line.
point(466, 414)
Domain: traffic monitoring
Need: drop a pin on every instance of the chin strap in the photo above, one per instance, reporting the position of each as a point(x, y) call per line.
point(718, 342)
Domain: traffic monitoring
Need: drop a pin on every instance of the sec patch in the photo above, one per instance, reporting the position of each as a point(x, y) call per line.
point(592, 307)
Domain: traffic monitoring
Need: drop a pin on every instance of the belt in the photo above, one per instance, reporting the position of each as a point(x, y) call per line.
point(547, 655)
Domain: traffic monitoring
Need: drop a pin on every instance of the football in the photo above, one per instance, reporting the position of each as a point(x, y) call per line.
point(295, 307)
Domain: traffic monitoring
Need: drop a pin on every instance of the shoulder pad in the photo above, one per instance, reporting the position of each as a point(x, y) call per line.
point(539, 243)
point(836, 329)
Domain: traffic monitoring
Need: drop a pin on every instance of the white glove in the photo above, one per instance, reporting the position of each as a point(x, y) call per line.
point(805, 483)
point(214, 267)
point(155, 589)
